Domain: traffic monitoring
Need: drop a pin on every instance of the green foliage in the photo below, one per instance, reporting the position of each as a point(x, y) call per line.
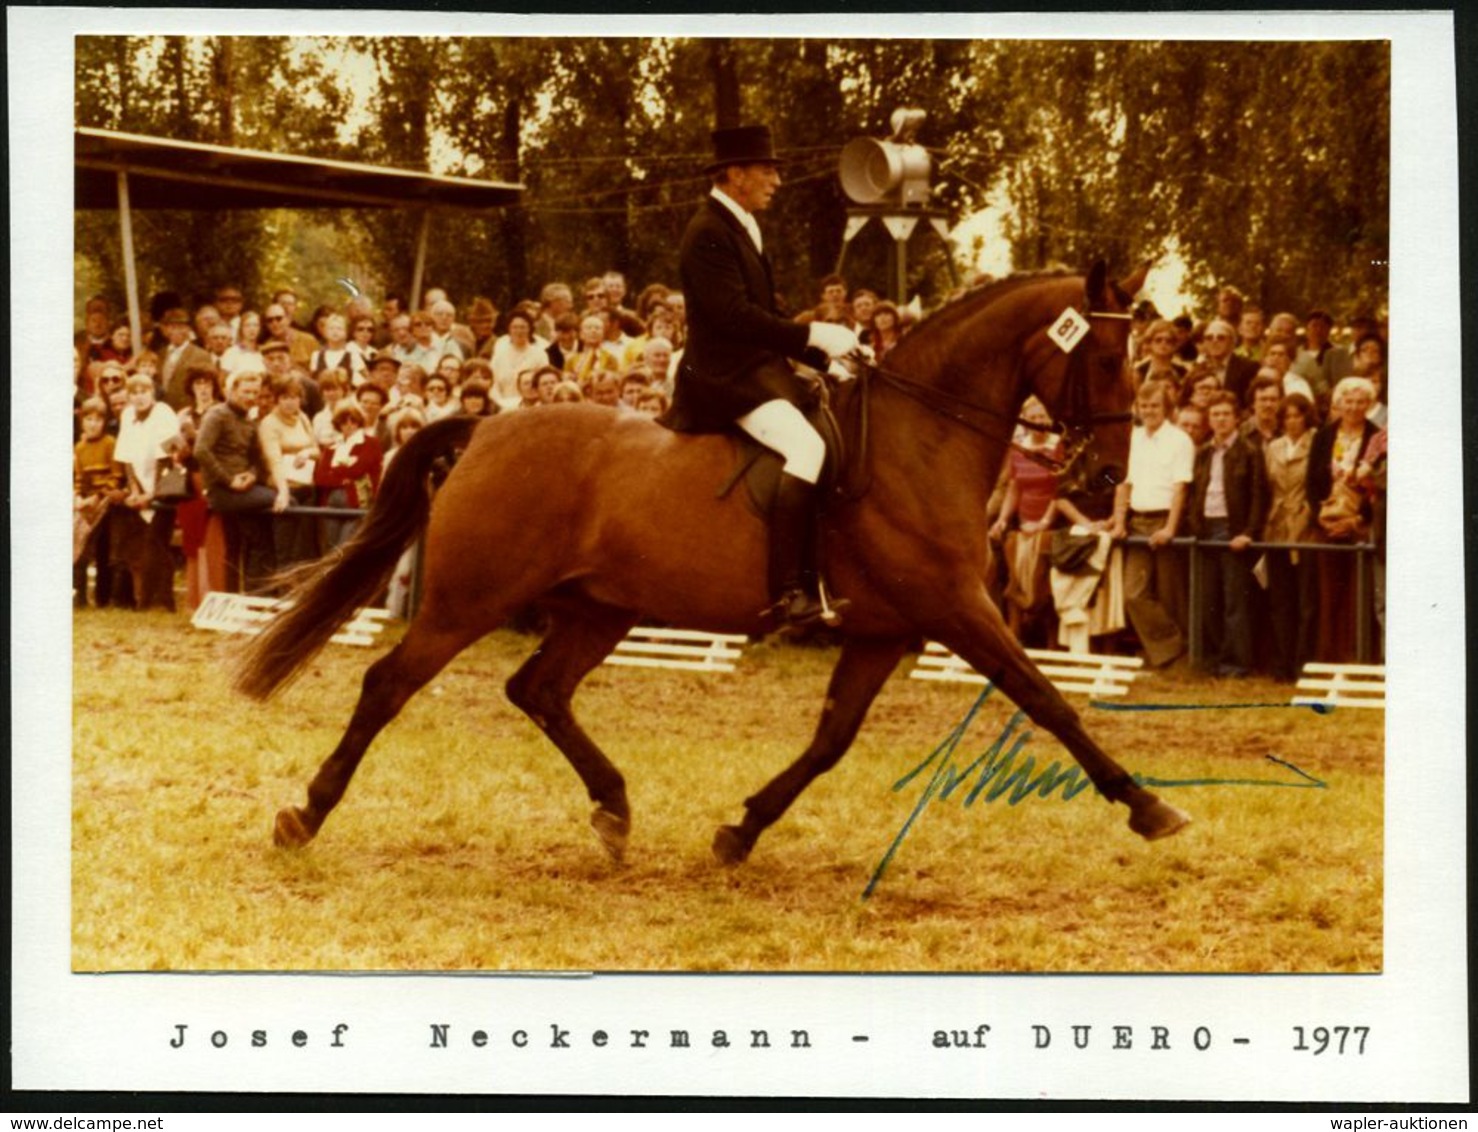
point(1264, 164)
point(257, 92)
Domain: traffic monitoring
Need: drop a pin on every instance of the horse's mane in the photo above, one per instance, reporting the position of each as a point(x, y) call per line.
point(965, 306)
point(990, 291)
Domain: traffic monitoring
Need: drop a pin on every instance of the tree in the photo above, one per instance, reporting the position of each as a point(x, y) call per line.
point(1262, 164)
point(264, 92)
point(1266, 164)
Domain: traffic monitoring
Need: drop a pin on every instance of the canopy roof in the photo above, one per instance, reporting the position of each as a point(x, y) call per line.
point(163, 173)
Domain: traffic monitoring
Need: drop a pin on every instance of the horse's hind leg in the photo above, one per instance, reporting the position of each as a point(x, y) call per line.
point(980, 637)
point(579, 638)
point(388, 684)
point(864, 667)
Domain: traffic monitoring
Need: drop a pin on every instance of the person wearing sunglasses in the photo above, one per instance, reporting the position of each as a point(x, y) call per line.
point(1234, 371)
point(300, 344)
point(1159, 362)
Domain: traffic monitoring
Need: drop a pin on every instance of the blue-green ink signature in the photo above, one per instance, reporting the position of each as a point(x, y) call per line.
point(995, 773)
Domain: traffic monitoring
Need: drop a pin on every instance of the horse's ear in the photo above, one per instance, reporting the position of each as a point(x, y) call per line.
point(1097, 280)
point(1133, 284)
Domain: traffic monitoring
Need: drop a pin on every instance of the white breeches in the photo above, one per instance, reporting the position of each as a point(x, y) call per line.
point(781, 426)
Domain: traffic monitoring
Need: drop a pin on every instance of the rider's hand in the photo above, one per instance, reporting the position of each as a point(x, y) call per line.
point(831, 339)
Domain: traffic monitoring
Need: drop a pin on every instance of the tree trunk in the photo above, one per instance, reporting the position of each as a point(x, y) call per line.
point(174, 61)
point(725, 74)
point(125, 85)
point(515, 219)
point(222, 82)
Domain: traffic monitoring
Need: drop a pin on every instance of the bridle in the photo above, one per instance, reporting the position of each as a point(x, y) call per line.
point(1075, 425)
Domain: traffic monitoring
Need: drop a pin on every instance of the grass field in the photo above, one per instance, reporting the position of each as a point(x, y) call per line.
point(463, 845)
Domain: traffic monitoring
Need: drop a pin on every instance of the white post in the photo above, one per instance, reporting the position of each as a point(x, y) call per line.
point(130, 273)
point(420, 273)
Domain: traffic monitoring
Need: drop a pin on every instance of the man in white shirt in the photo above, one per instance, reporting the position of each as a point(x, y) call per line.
point(449, 336)
point(1151, 502)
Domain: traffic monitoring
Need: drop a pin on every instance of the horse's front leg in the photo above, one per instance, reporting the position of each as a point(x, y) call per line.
point(863, 668)
point(978, 634)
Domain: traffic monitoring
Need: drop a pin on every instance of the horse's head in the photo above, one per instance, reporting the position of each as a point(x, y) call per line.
point(1092, 393)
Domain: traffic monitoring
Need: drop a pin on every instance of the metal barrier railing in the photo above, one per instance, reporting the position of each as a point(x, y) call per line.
point(1364, 554)
point(315, 512)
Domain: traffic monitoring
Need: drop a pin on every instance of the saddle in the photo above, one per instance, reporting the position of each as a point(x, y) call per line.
point(758, 467)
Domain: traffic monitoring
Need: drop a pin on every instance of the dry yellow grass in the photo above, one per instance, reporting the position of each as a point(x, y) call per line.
point(462, 843)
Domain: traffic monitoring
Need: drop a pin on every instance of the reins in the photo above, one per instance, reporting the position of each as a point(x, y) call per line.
point(952, 406)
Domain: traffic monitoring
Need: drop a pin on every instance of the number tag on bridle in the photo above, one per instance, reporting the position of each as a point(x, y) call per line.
point(1068, 330)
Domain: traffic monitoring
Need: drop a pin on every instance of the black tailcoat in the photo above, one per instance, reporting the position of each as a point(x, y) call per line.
point(738, 336)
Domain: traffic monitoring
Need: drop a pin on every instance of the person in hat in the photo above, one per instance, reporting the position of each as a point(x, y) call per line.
point(276, 358)
point(383, 371)
point(735, 369)
point(277, 363)
point(180, 357)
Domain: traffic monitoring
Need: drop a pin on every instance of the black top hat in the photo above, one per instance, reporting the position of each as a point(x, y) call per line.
point(742, 145)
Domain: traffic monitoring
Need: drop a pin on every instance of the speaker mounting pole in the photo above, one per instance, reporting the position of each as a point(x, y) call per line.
point(888, 178)
point(901, 226)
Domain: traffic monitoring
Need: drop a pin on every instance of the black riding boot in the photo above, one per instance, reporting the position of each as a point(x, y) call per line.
point(790, 532)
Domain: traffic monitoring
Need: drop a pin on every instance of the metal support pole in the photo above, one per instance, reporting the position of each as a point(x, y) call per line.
point(420, 273)
point(900, 286)
point(1193, 600)
point(130, 272)
point(1362, 604)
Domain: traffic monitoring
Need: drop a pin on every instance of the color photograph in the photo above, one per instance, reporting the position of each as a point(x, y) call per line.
point(973, 449)
point(680, 527)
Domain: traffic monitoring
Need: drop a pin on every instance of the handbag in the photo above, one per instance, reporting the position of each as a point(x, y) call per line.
point(1071, 553)
point(1343, 504)
point(171, 483)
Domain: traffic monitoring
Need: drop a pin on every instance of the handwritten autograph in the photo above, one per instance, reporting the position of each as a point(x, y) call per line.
point(994, 773)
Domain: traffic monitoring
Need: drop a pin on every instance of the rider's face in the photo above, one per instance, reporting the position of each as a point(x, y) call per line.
point(752, 186)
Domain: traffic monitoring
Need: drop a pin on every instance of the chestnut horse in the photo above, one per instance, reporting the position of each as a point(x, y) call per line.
point(603, 519)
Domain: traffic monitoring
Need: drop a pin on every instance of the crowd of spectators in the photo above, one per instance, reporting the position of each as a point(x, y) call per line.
point(1249, 431)
point(1258, 454)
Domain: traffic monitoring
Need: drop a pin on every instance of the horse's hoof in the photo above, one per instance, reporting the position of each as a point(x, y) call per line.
point(1157, 819)
point(730, 845)
point(290, 831)
point(612, 830)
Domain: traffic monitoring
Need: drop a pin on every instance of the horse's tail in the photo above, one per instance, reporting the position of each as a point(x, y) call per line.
point(326, 594)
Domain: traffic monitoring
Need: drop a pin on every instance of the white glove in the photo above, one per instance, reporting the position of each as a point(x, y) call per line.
point(841, 371)
point(831, 339)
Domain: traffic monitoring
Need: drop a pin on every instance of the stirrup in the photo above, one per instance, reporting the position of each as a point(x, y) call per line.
point(796, 609)
point(831, 611)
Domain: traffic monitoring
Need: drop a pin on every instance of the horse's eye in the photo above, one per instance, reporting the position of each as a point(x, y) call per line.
point(1109, 364)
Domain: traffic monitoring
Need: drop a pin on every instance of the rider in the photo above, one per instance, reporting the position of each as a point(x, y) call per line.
point(734, 370)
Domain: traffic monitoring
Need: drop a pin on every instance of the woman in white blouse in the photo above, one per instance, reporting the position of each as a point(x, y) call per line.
point(514, 353)
point(148, 434)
